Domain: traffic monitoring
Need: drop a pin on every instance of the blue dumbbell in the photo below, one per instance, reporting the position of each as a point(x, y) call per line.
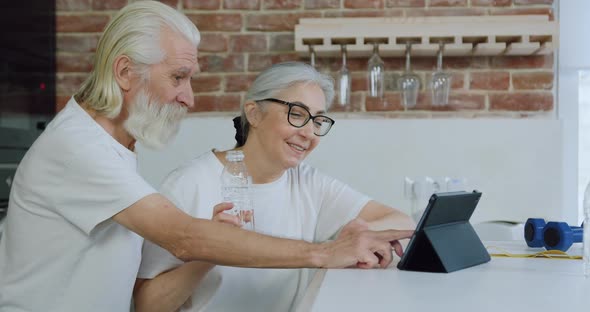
point(552, 235)
point(561, 236)
point(533, 232)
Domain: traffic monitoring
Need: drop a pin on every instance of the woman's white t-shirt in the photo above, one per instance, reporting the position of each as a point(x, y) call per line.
point(302, 204)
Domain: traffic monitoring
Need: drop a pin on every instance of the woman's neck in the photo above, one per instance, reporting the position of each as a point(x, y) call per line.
point(260, 167)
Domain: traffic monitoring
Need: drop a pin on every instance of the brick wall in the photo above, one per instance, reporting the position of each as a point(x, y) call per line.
point(241, 37)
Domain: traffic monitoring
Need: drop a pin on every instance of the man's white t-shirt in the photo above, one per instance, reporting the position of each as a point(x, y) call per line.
point(302, 204)
point(60, 250)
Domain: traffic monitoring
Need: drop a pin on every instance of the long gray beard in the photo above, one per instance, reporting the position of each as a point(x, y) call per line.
point(152, 123)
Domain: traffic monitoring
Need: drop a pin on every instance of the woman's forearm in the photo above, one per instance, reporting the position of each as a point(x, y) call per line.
point(392, 221)
point(170, 290)
point(380, 217)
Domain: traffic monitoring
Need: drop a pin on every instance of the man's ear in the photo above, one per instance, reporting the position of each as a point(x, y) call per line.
point(122, 71)
point(253, 113)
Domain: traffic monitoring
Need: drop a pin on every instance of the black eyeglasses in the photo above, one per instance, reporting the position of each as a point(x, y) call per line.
point(298, 116)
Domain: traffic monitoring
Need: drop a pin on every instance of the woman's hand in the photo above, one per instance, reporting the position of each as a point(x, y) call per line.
point(219, 214)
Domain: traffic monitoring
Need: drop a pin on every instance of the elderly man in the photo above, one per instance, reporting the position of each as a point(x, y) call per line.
point(79, 210)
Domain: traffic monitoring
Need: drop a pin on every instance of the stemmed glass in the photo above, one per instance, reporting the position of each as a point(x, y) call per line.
point(375, 71)
point(409, 83)
point(440, 83)
point(311, 55)
point(344, 81)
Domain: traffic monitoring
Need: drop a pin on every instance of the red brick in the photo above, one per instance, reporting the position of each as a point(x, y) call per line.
point(206, 83)
point(359, 82)
point(458, 81)
point(394, 63)
point(282, 42)
point(457, 101)
point(489, 81)
point(525, 101)
point(321, 4)
point(363, 4)
point(461, 62)
point(491, 2)
point(81, 23)
point(532, 81)
point(258, 62)
point(220, 64)
point(213, 42)
point(277, 21)
point(421, 63)
point(529, 2)
point(202, 4)
point(61, 101)
point(74, 62)
point(241, 4)
point(281, 4)
point(362, 13)
point(405, 3)
point(356, 104)
point(108, 4)
point(172, 3)
point(69, 83)
point(217, 22)
point(446, 12)
point(463, 101)
point(448, 3)
point(391, 101)
point(522, 62)
point(217, 103)
point(236, 83)
point(73, 5)
point(247, 43)
point(74, 43)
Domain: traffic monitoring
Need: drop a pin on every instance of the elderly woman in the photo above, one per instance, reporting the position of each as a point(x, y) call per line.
point(283, 119)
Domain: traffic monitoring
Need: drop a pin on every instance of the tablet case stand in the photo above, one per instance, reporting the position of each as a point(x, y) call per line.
point(445, 248)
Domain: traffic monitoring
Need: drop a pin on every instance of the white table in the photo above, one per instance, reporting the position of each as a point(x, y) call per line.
point(503, 284)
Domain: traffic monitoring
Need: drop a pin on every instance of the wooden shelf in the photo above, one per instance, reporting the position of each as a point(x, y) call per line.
point(463, 35)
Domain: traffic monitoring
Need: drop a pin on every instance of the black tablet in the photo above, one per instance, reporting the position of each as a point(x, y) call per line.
point(444, 240)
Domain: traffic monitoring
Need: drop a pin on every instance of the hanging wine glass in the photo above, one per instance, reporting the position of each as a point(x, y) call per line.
point(311, 55)
point(409, 83)
point(375, 71)
point(440, 83)
point(343, 82)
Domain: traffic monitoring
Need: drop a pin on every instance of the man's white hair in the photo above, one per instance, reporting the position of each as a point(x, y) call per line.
point(135, 32)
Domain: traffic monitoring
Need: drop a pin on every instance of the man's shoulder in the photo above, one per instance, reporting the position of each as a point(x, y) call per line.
point(71, 128)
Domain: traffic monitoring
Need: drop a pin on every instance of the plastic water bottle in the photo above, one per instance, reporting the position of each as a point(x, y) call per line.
point(586, 229)
point(235, 188)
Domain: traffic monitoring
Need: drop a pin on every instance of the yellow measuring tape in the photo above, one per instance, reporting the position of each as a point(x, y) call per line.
point(549, 254)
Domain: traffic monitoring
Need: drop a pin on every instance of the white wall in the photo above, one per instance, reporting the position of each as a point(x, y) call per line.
point(515, 163)
point(573, 56)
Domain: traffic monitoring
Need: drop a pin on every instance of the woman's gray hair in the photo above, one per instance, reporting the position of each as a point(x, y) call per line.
point(279, 77)
point(135, 32)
